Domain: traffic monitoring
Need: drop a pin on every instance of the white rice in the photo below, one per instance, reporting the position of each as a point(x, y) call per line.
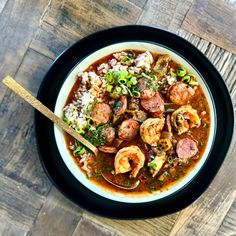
point(144, 60)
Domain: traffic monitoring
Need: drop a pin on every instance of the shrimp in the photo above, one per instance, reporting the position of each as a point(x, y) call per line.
point(129, 159)
point(185, 118)
point(150, 130)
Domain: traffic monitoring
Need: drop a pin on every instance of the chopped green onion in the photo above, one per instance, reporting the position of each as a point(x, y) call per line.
point(122, 81)
point(186, 78)
point(193, 83)
point(146, 76)
point(118, 90)
point(126, 60)
point(80, 150)
point(133, 80)
point(109, 88)
point(181, 72)
point(172, 73)
point(170, 160)
point(124, 74)
point(131, 54)
point(79, 130)
point(136, 94)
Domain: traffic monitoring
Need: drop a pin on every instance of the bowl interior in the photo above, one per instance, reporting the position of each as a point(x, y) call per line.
point(65, 90)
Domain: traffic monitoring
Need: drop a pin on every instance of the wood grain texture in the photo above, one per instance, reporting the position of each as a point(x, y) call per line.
point(10, 229)
point(58, 216)
point(86, 17)
point(66, 22)
point(167, 14)
point(19, 158)
point(214, 21)
point(211, 207)
point(18, 203)
point(139, 3)
point(224, 61)
point(88, 228)
point(159, 226)
point(51, 41)
point(2, 4)
point(18, 22)
point(211, 211)
point(228, 227)
point(35, 103)
point(25, 201)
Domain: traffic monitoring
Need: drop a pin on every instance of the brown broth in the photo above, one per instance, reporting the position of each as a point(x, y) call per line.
point(105, 162)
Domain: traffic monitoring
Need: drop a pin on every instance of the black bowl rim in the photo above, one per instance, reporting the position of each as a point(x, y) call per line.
point(84, 197)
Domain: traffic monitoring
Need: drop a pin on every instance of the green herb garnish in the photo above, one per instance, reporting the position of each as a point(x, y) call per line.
point(79, 149)
point(96, 136)
point(152, 165)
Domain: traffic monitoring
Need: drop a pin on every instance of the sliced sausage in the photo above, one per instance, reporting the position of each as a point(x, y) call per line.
point(120, 106)
point(180, 93)
point(146, 89)
point(108, 149)
point(128, 129)
point(101, 113)
point(154, 105)
point(109, 134)
point(186, 148)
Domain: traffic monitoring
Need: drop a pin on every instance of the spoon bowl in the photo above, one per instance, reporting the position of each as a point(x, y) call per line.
point(130, 187)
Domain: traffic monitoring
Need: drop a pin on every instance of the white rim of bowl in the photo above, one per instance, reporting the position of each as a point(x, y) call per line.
point(65, 90)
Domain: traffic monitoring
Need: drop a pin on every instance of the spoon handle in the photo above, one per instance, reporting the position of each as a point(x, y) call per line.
point(23, 93)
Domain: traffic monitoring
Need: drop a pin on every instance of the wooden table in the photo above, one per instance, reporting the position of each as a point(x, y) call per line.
point(33, 34)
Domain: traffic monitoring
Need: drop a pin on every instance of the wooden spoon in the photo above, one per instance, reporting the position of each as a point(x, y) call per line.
point(23, 93)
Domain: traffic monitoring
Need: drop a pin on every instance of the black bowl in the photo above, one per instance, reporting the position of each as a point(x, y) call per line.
point(78, 193)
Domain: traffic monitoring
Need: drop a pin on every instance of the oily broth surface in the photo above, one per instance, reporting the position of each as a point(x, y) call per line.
point(105, 162)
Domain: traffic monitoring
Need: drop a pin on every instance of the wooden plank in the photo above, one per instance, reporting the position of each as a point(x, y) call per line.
point(231, 2)
point(58, 216)
point(88, 228)
point(10, 229)
point(19, 205)
point(211, 208)
point(228, 226)
point(139, 3)
point(51, 41)
point(225, 62)
point(86, 17)
point(32, 70)
point(215, 202)
point(66, 22)
point(213, 21)
point(2, 4)
point(19, 159)
point(167, 14)
point(18, 21)
point(22, 17)
point(158, 226)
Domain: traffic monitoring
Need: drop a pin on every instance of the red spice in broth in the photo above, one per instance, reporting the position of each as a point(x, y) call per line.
point(171, 174)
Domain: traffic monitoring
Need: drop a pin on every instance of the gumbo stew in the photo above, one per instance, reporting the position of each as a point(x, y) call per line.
point(147, 115)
